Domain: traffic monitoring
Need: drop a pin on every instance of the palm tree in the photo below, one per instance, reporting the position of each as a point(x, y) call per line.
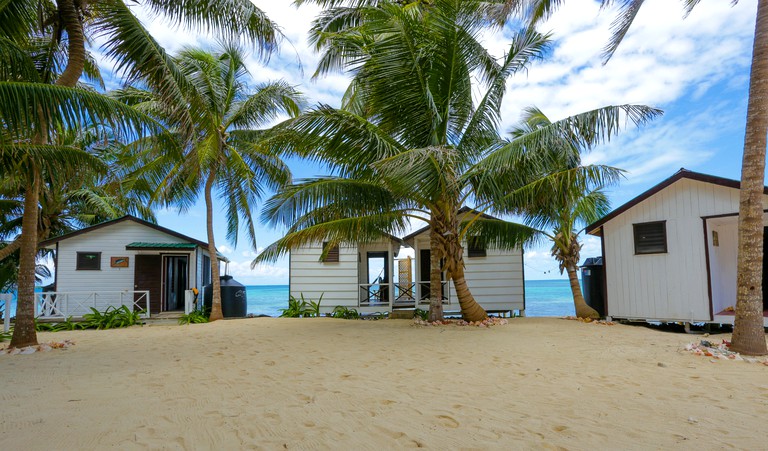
point(224, 153)
point(137, 56)
point(559, 212)
point(748, 330)
point(418, 148)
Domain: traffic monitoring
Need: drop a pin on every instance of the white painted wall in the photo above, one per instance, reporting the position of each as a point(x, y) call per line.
point(337, 282)
point(495, 281)
point(671, 286)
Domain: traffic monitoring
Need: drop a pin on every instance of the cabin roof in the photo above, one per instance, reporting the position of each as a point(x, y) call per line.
point(132, 218)
point(409, 238)
point(595, 228)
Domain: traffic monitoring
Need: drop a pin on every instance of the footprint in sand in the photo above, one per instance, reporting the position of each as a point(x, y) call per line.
point(448, 421)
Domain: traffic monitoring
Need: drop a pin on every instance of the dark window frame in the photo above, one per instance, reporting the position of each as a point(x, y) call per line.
point(81, 259)
point(476, 247)
point(333, 253)
point(646, 248)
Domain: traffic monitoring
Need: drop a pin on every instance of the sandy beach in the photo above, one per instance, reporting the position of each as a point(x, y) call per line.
point(273, 383)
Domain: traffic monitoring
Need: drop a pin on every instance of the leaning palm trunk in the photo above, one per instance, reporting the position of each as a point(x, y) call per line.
point(24, 333)
point(748, 332)
point(582, 309)
point(470, 309)
point(216, 313)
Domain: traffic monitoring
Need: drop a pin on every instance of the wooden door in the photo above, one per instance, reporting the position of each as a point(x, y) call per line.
point(148, 276)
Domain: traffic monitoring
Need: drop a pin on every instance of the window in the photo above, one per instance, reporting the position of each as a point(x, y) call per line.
point(333, 253)
point(89, 261)
point(206, 276)
point(650, 237)
point(475, 246)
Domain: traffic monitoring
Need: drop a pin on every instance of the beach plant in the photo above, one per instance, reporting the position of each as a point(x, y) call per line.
point(344, 312)
point(112, 318)
point(421, 148)
point(67, 324)
point(420, 313)
point(45, 54)
point(220, 153)
point(194, 317)
point(301, 308)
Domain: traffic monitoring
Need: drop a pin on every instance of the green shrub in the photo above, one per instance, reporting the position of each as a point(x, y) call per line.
point(341, 311)
point(57, 327)
point(194, 317)
point(301, 308)
point(423, 314)
point(111, 318)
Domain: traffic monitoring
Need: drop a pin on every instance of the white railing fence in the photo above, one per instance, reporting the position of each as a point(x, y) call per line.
point(62, 305)
point(5, 310)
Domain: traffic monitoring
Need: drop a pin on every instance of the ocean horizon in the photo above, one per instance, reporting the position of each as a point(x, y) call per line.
point(542, 298)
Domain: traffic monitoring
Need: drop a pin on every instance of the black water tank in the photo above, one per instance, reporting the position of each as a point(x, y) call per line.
point(234, 303)
point(592, 284)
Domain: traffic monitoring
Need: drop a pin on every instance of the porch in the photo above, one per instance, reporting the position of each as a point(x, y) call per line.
point(60, 305)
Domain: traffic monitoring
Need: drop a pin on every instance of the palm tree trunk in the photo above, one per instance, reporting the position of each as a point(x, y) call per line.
point(216, 313)
point(70, 17)
point(12, 247)
point(748, 332)
point(435, 280)
point(470, 309)
point(582, 309)
point(24, 333)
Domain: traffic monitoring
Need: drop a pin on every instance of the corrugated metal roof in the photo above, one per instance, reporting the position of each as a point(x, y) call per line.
point(141, 245)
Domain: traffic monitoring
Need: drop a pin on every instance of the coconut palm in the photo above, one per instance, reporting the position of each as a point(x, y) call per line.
point(559, 212)
point(29, 110)
point(409, 143)
point(748, 330)
point(223, 155)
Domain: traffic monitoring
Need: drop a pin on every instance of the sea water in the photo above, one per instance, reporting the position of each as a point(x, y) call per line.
point(542, 298)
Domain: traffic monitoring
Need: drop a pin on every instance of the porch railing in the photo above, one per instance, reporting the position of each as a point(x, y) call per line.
point(5, 310)
point(61, 305)
point(374, 294)
point(424, 291)
point(405, 294)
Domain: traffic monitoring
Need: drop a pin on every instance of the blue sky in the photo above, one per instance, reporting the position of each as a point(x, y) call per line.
point(696, 69)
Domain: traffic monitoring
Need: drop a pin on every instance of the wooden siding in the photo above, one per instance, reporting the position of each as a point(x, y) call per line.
point(670, 286)
point(110, 241)
point(337, 282)
point(495, 281)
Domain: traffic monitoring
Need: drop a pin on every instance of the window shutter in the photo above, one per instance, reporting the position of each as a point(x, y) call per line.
point(650, 237)
point(333, 253)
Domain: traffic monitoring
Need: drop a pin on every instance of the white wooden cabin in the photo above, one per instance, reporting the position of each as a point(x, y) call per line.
point(370, 278)
point(126, 261)
point(670, 254)
point(360, 277)
point(494, 277)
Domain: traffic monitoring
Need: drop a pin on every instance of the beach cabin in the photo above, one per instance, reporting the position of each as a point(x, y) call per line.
point(670, 253)
point(495, 277)
point(375, 278)
point(354, 276)
point(126, 261)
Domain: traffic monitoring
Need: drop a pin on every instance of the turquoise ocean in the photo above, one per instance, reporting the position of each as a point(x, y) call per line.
point(542, 298)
